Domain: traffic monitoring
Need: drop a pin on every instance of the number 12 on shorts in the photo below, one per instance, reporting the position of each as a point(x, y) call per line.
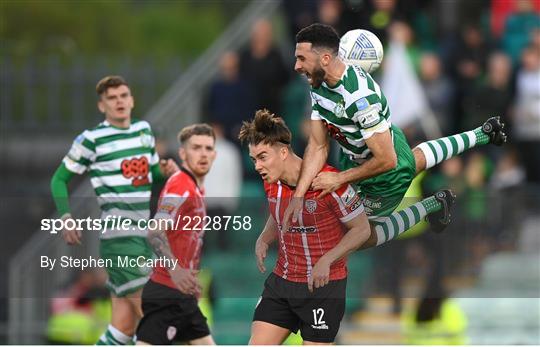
point(318, 314)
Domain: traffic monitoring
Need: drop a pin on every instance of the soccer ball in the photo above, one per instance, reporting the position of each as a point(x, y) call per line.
point(361, 47)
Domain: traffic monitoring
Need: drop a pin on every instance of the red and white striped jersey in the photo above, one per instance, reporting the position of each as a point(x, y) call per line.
point(319, 228)
point(181, 202)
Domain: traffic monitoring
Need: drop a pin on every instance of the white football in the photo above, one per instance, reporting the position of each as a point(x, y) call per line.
point(361, 47)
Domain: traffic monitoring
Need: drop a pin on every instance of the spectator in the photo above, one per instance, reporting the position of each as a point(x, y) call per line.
point(518, 28)
point(262, 65)
point(467, 61)
point(526, 120)
point(299, 14)
point(491, 98)
point(223, 183)
point(230, 99)
point(332, 12)
point(379, 19)
point(439, 91)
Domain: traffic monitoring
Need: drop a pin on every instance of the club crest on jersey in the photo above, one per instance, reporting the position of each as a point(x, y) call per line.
point(310, 205)
point(171, 333)
point(146, 140)
point(339, 110)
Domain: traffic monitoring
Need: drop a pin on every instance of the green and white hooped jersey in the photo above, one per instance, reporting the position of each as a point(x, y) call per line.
point(352, 111)
point(119, 162)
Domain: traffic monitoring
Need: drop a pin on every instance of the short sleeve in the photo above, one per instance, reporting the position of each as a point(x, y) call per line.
point(169, 204)
point(315, 115)
point(154, 158)
point(369, 118)
point(346, 203)
point(81, 154)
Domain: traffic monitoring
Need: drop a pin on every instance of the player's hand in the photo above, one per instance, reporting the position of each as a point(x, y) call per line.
point(320, 274)
point(327, 182)
point(71, 236)
point(186, 280)
point(168, 167)
point(292, 212)
point(261, 248)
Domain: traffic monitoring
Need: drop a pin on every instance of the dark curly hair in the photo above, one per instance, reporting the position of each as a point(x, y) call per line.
point(320, 36)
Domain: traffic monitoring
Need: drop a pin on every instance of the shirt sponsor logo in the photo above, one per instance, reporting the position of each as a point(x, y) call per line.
point(302, 229)
point(320, 327)
point(372, 203)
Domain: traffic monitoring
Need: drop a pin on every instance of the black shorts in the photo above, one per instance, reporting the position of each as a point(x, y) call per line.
point(290, 305)
point(169, 316)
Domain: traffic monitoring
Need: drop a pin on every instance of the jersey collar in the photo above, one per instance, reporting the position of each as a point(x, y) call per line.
point(340, 82)
point(183, 169)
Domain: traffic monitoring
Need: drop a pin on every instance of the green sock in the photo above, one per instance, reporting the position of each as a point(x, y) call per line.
point(444, 148)
point(388, 228)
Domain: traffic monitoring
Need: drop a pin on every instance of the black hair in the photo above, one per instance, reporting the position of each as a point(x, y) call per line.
point(320, 36)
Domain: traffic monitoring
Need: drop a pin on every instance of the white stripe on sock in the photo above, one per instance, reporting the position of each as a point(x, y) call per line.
point(439, 151)
point(428, 154)
point(390, 228)
point(380, 235)
point(472, 138)
point(449, 149)
point(400, 222)
point(118, 335)
point(410, 215)
point(421, 209)
point(460, 143)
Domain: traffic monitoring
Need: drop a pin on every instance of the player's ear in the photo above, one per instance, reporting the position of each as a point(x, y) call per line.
point(325, 59)
point(182, 153)
point(284, 152)
point(100, 106)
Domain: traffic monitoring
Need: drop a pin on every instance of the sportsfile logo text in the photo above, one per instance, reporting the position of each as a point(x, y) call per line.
point(54, 225)
point(186, 222)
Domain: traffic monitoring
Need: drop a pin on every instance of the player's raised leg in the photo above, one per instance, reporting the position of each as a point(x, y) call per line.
point(431, 153)
point(436, 208)
point(263, 333)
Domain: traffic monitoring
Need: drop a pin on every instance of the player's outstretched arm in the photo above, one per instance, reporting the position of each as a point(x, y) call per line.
point(59, 191)
point(315, 156)
point(184, 279)
point(384, 159)
point(358, 233)
point(266, 238)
